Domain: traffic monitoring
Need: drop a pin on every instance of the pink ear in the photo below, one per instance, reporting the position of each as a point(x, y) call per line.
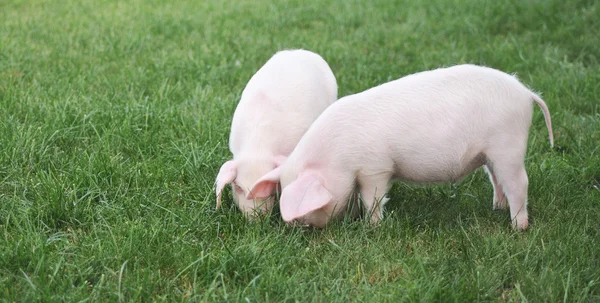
point(264, 187)
point(303, 196)
point(226, 175)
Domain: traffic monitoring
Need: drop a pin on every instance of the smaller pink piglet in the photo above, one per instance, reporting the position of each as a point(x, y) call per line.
point(277, 107)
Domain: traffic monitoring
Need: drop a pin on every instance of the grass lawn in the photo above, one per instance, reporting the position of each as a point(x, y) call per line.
point(115, 116)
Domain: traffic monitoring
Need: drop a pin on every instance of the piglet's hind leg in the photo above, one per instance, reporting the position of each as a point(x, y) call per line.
point(499, 201)
point(511, 175)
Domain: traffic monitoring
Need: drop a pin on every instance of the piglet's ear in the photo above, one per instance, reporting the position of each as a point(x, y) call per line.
point(302, 197)
point(265, 186)
point(226, 175)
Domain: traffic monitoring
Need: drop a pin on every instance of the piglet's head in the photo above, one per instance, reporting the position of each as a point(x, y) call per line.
point(304, 200)
point(307, 201)
point(241, 174)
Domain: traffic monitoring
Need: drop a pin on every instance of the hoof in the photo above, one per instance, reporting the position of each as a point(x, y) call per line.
point(500, 204)
point(521, 224)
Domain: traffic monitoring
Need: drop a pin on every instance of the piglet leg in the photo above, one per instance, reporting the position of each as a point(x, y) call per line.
point(512, 177)
point(499, 197)
point(372, 191)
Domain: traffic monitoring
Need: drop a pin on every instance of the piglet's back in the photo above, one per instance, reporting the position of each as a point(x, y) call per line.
point(281, 101)
point(442, 107)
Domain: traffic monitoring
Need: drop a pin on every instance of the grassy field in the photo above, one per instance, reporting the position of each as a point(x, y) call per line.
point(114, 120)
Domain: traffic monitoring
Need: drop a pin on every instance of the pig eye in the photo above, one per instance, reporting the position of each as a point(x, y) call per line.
point(237, 189)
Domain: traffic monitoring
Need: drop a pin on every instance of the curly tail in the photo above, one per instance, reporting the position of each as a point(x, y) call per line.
point(546, 113)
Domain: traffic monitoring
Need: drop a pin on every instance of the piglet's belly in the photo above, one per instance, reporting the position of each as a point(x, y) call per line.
point(437, 168)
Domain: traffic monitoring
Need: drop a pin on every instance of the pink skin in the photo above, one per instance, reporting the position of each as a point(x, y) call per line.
point(236, 172)
point(429, 127)
point(277, 107)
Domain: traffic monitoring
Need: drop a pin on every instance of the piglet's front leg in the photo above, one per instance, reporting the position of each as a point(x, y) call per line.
point(372, 190)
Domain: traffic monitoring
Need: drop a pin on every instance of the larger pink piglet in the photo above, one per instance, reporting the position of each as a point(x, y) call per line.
point(429, 127)
point(276, 108)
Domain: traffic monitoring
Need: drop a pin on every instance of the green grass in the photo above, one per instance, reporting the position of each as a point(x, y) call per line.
point(114, 119)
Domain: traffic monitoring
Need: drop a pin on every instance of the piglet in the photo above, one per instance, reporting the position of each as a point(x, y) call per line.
point(429, 127)
point(277, 107)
